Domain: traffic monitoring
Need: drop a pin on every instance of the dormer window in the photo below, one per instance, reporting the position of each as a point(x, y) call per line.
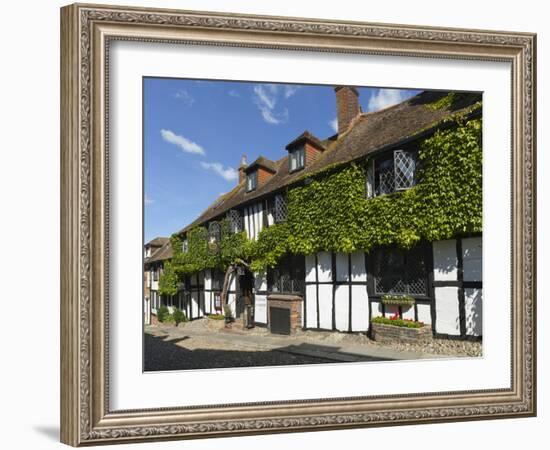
point(251, 181)
point(391, 172)
point(296, 159)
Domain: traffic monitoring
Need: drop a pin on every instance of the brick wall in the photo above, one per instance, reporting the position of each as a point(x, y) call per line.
point(311, 153)
point(292, 302)
point(391, 333)
point(263, 176)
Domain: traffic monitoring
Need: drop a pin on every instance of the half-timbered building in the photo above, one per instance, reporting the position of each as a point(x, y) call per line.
point(343, 291)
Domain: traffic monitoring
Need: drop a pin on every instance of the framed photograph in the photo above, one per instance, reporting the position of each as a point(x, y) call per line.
point(281, 224)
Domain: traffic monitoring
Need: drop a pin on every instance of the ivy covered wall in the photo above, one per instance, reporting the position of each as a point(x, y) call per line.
point(331, 212)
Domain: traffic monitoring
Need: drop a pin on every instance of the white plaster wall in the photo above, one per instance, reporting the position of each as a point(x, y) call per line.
point(358, 270)
point(231, 301)
point(342, 266)
point(474, 311)
point(376, 309)
point(408, 312)
point(253, 223)
point(147, 311)
point(260, 282)
point(472, 259)
point(359, 308)
point(260, 308)
point(258, 216)
point(445, 260)
point(207, 279)
point(424, 313)
point(246, 221)
point(270, 219)
point(194, 304)
point(311, 306)
point(446, 310)
point(155, 285)
point(341, 302)
point(324, 262)
point(232, 282)
point(325, 306)
point(310, 268)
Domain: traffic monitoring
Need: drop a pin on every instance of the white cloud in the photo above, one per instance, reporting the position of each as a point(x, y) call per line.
point(148, 200)
point(289, 90)
point(227, 173)
point(384, 98)
point(233, 93)
point(266, 97)
point(185, 97)
point(334, 124)
point(183, 143)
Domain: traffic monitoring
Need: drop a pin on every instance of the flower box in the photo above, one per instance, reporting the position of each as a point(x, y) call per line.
point(386, 332)
point(397, 300)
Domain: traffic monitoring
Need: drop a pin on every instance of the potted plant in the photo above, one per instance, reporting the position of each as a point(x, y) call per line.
point(228, 314)
point(179, 316)
point(397, 300)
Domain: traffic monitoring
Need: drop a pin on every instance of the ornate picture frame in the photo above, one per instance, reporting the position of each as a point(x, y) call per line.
point(86, 34)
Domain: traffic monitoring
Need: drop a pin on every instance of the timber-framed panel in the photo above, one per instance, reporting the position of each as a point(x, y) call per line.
point(87, 31)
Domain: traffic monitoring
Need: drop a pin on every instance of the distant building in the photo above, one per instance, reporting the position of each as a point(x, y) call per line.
point(155, 253)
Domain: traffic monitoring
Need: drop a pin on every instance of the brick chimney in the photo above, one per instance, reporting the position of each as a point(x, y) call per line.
point(347, 106)
point(242, 168)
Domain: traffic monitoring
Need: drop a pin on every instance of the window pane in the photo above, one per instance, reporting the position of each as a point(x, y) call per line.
point(404, 169)
point(385, 177)
point(296, 159)
point(301, 157)
point(400, 272)
point(280, 209)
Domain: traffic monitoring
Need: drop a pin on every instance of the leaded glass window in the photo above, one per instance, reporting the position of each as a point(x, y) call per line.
point(288, 276)
point(214, 233)
point(405, 167)
point(235, 221)
point(280, 208)
point(398, 271)
point(393, 172)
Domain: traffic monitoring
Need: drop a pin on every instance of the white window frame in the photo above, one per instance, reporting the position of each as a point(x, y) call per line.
point(296, 157)
point(371, 188)
point(251, 181)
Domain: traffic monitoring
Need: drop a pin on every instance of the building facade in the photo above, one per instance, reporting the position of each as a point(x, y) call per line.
point(342, 291)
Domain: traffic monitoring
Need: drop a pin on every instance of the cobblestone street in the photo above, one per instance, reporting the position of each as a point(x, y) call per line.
point(205, 344)
point(167, 354)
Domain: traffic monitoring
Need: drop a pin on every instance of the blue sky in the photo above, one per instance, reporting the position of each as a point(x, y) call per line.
point(195, 133)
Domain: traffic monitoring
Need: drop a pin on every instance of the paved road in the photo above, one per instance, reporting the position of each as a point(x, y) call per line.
point(164, 353)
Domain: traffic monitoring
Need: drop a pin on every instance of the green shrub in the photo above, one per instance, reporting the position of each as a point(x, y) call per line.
point(216, 316)
point(395, 321)
point(179, 316)
point(162, 314)
point(169, 320)
point(227, 311)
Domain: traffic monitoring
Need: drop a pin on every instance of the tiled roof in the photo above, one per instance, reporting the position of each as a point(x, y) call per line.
point(157, 242)
point(368, 133)
point(262, 161)
point(164, 252)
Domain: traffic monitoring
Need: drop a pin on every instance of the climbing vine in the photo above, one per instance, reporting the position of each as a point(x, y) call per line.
point(331, 212)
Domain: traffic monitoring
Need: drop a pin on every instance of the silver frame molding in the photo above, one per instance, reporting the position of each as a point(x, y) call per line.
point(86, 31)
